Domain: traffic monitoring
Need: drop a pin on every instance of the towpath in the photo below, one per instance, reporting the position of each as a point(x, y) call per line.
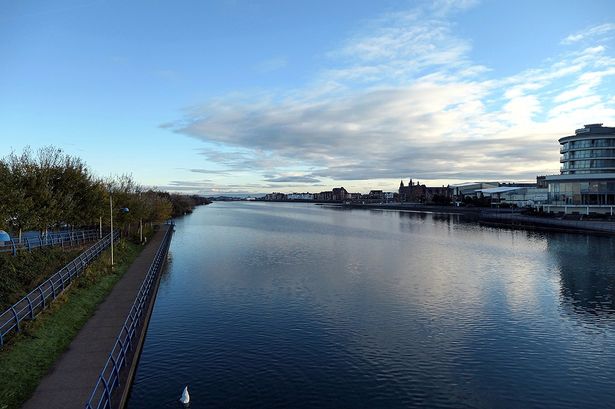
point(70, 381)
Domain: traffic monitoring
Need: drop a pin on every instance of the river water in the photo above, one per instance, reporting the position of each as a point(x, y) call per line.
point(302, 306)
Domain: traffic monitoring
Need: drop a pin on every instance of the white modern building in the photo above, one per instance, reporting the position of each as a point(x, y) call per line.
point(586, 183)
point(471, 188)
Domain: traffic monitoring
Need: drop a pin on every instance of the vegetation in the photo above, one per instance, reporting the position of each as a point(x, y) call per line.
point(477, 201)
point(29, 355)
point(50, 189)
point(441, 200)
point(184, 204)
point(22, 274)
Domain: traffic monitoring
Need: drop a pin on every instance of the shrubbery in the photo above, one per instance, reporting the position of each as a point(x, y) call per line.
point(49, 189)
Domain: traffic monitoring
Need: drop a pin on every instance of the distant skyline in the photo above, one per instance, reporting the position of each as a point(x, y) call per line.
point(245, 97)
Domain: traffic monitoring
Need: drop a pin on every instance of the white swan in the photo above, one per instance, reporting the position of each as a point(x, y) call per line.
point(185, 398)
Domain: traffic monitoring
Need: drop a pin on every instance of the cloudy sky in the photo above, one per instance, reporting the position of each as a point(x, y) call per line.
point(236, 96)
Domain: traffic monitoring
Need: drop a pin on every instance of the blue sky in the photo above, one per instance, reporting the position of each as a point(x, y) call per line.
point(258, 96)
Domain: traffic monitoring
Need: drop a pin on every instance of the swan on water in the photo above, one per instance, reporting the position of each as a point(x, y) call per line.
point(185, 398)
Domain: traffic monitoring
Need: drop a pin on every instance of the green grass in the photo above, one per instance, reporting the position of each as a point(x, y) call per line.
point(28, 356)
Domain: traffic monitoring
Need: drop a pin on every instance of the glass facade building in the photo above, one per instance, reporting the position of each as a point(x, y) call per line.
point(587, 174)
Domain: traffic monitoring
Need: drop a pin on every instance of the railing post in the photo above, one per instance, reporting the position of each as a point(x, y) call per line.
point(53, 288)
point(30, 305)
point(40, 288)
point(107, 391)
point(115, 371)
point(16, 318)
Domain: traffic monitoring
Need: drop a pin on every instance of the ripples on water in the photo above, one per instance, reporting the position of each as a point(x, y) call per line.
point(303, 306)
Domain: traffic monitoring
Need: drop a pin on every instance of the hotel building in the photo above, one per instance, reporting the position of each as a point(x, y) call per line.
point(586, 183)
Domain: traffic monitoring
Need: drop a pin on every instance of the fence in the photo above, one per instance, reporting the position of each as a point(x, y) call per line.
point(34, 302)
point(109, 377)
point(60, 238)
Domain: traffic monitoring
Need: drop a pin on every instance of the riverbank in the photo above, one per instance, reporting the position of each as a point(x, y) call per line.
point(416, 207)
point(501, 218)
point(71, 378)
point(29, 355)
point(547, 223)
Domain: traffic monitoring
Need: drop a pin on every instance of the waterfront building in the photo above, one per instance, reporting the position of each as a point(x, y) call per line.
point(326, 196)
point(586, 183)
point(340, 194)
point(376, 195)
point(417, 193)
point(355, 197)
point(471, 189)
point(518, 196)
point(300, 196)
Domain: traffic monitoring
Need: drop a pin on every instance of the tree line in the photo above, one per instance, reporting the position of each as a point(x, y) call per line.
point(49, 189)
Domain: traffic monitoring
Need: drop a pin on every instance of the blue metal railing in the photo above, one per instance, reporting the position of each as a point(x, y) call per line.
point(59, 238)
point(36, 300)
point(109, 378)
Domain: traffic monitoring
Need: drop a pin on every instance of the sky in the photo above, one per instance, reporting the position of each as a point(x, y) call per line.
point(245, 97)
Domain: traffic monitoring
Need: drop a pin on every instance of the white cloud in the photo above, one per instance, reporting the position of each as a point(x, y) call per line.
point(405, 100)
point(589, 32)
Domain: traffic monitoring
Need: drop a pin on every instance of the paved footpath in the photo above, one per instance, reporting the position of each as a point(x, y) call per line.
point(71, 379)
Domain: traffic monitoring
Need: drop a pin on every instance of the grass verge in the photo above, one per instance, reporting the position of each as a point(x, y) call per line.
point(29, 355)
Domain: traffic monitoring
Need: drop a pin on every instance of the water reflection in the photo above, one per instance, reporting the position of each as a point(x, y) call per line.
point(284, 305)
point(587, 274)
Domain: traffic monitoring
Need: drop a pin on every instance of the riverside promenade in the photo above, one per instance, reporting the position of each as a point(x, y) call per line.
point(70, 381)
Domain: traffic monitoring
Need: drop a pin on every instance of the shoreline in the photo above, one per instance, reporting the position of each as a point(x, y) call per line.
point(484, 216)
point(498, 218)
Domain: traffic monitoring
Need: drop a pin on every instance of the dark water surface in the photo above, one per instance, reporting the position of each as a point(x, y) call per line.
point(304, 306)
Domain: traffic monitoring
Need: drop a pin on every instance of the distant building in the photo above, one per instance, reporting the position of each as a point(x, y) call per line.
point(300, 196)
point(541, 182)
point(276, 196)
point(355, 197)
point(326, 196)
point(340, 194)
point(417, 193)
point(470, 189)
point(586, 183)
point(377, 195)
point(518, 196)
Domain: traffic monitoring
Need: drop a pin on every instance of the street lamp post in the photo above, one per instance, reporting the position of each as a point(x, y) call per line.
point(111, 207)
